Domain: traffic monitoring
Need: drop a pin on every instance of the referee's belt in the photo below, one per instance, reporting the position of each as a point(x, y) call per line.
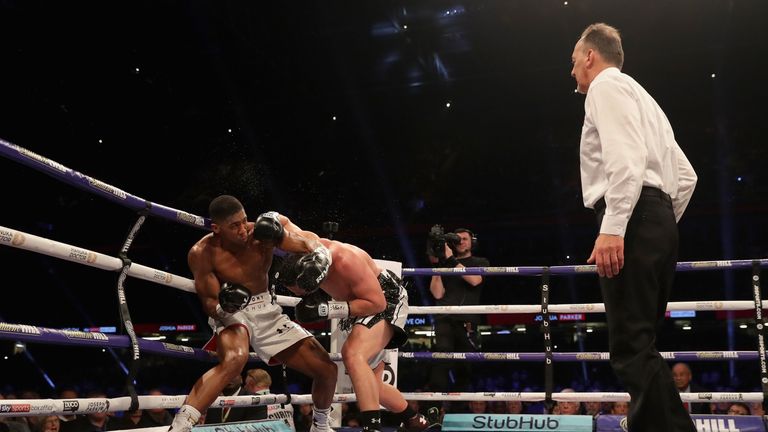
point(646, 191)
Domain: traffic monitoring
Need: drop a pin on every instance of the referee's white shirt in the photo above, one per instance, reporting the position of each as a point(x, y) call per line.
point(627, 143)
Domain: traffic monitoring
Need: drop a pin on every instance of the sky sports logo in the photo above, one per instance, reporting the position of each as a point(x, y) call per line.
point(15, 408)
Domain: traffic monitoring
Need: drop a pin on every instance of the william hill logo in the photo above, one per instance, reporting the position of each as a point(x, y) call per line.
point(716, 425)
point(19, 328)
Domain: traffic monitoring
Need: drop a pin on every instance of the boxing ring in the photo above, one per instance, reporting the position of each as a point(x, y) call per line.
point(549, 358)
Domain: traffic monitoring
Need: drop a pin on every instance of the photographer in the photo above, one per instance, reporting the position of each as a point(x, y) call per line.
point(454, 333)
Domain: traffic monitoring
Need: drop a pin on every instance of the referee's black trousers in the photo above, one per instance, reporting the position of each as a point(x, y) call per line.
point(635, 303)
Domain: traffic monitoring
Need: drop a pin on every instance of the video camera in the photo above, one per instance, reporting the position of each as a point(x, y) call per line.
point(437, 240)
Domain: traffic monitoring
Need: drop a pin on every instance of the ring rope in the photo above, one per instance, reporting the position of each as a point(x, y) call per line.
point(683, 266)
point(90, 184)
point(43, 335)
point(42, 245)
point(592, 356)
point(708, 305)
point(30, 242)
point(36, 407)
point(98, 187)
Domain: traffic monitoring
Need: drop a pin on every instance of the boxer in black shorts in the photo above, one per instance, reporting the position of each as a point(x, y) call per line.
point(373, 305)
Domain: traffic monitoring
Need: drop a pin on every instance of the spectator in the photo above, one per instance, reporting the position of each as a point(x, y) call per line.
point(91, 422)
point(620, 408)
point(49, 423)
point(129, 420)
point(258, 382)
point(455, 333)
point(32, 421)
point(682, 375)
point(478, 407)
point(156, 416)
point(738, 408)
point(568, 407)
point(303, 418)
point(756, 408)
point(67, 393)
point(719, 407)
point(9, 424)
point(514, 407)
point(227, 414)
point(498, 407)
point(593, 409)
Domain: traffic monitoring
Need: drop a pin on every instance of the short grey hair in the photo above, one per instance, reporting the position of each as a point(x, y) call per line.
point(606, 40)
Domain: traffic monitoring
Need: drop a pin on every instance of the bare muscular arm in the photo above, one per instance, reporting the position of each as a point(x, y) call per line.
point(297, 240)
point(206, 283)
point(367, 297)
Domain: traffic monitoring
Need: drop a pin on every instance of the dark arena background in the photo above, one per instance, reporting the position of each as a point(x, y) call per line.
point(386, 117)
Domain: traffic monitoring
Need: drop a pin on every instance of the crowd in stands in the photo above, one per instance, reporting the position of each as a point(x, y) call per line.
point(258, 381)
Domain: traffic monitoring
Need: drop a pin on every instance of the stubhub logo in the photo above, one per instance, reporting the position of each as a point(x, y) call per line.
point(515, 422)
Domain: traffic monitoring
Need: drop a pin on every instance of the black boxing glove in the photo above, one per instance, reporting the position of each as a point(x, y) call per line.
point(313, 268)
point(316, 308)
point(233, 297)
point(268, 227)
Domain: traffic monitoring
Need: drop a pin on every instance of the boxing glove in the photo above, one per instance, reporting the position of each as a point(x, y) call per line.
point(312, 269)
point(311, 309)
point(268, 227)
point(233, 297)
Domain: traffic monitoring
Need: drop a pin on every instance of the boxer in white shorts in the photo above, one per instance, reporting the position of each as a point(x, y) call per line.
point(270, 331)
point(373, 306)
point(230, 266)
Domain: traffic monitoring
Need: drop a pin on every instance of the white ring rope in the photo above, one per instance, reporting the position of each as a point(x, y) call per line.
point(36, 407)
point(30, 242)
point(710, 305)
point(42, 245)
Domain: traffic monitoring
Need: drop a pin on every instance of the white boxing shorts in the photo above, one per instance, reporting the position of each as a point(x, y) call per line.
point(270, 331)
